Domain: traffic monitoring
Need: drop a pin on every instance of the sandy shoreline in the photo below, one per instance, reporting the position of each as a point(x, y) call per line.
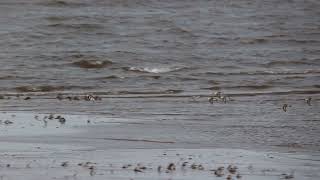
point(82, 149)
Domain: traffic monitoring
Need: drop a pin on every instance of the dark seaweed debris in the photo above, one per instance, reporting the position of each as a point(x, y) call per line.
point(92, 63)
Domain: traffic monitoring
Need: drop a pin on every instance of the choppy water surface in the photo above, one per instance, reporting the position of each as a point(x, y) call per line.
point(149, 48)
point(159, 45)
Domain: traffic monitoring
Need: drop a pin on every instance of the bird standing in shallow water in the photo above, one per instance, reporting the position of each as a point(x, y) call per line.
point(216, 97)
point(224, 99)
point(212, 99)
point(308, 100)
point(284, 107)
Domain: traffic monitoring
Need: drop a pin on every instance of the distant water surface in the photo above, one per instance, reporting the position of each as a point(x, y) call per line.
point(145, 46)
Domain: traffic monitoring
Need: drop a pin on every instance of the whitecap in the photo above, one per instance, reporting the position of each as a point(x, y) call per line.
point(154, 69)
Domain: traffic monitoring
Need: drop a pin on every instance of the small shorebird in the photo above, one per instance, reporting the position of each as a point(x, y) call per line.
point(238, 176)
point(194, 98)
point(90, 97)
point(219, 172)
point(212, 99)
point(224, 99)
point(171, 167)
point(284, 107)
point(308, 100)
point(217, 96)
point(232, 169)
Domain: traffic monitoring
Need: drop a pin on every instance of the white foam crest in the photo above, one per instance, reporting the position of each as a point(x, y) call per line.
point(155, 69)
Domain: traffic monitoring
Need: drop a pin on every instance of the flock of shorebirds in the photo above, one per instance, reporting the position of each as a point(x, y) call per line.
point(214, 97)
point(88, 97)
point(218, 172)
point(231, 171)
point(285, 106)
point(219, 97)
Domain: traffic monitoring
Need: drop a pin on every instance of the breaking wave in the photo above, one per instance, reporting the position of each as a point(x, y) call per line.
point(153, 69)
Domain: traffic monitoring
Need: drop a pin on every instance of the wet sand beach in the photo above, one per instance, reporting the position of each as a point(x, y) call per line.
point(164, 90)
point(272, 145)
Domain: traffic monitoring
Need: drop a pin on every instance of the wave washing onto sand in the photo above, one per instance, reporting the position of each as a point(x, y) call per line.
point(155, 70)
